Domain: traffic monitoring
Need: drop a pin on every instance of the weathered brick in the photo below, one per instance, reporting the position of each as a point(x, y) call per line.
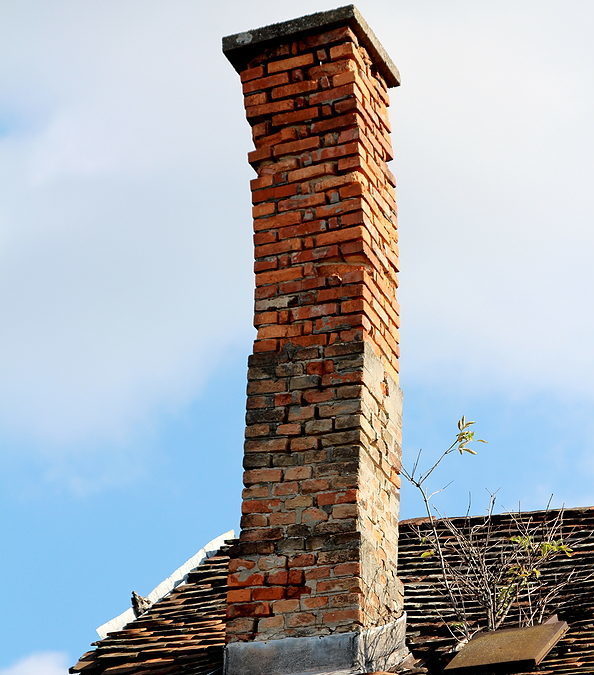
point(323, 423)
point(289, 64)
point(269, 108)
point(265, 83)
point(294, 89)
point(312, 172)
point(302, 115)
point(262, 476)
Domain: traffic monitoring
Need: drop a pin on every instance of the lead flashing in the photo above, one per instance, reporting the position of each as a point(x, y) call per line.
point(240, 47)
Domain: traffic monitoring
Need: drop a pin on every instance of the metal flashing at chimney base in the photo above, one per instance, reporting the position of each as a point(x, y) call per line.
point(376, 649)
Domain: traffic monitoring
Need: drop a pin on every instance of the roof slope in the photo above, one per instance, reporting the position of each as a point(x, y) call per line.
point(183, 633)
point(426, 605)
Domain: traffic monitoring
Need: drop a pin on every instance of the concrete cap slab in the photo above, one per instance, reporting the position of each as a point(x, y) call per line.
point(240, 47)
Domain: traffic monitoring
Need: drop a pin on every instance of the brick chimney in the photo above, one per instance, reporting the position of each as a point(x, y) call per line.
point(313, 587)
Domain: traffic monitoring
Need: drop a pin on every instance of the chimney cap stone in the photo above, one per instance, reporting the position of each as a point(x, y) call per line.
point(238, 48)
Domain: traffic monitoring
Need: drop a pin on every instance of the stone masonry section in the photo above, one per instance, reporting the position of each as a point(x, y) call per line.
point(317, 552)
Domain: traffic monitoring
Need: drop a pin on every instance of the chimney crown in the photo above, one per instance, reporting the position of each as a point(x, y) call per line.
point(239, 47)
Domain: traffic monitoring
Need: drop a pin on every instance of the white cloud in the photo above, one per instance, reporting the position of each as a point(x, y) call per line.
point(43, 663)
point(495, 162)
point(125, 270)
point(125, 250)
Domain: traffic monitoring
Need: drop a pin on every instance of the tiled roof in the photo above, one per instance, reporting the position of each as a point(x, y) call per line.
point(425, 603)
point(184, 633)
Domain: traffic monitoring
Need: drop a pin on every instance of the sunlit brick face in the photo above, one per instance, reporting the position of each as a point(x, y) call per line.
point(318, 544)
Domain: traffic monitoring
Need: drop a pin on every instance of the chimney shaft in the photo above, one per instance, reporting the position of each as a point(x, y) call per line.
point(318, 546)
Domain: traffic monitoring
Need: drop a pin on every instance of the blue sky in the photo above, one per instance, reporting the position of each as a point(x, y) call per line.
point(125, 280)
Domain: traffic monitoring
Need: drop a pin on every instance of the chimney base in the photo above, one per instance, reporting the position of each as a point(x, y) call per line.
point(371, 650)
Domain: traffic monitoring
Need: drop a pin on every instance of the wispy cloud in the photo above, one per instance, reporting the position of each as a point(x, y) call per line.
point(125, 269)
point(43, 663)
point(124, 230)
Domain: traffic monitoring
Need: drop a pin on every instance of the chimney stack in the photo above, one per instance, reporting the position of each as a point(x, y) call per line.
point(313, 587)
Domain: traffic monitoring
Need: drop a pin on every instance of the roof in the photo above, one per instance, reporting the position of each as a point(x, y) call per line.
point(184, 633)
point(428, 636)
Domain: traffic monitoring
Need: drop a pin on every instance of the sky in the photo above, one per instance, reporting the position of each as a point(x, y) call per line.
point(126, 283)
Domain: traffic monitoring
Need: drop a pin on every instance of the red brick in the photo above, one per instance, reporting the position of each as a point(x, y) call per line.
point(265, 209)
point(343, 616)
point(266, 445)
point(298, 473)
point(301, 444)
point(255, 99)
point(334, 94)
point(277, 276)
point(260, 505)
point(344, 51)
point(312, 172)
point(313, 311)
point(288, 429)
point(344, 497)
point(283, 220)
point(347, 569)
point(346, 120)
point(330, 69)
point(296, 577)
point(264, 238)
point(313, 602)
point(318, 396)
point(275, 192)
point(241, 595)
point(278, 578)
point(262, 476)
point(282, 518)
point(342, 584)
point(250, 609)
point(251, 520)
point(275, 593)
point(319, 572)
point(320, 367)
point(278, 167)
point(338, 208)
point(302, 115)
point(278, 247)
point(287, 488)
point(293, 148)
point(279, 331)
point(242, 580)
point(270, 108)
point(271, 623)
point(294, 89)
point(336, 236)
point(344, 511)
point(252, 73)
point(236, 564)
point(280, 136)
point(265, 345)
point(314, 485)
point(313, 515)
point(265, 83)
point(285, 606)
point(305, 560)
point(289, 64)
point(302, 619)
point(301, 202)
